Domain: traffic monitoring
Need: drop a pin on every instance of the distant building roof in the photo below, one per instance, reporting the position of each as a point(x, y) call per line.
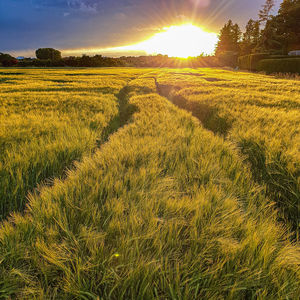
point(294, 53)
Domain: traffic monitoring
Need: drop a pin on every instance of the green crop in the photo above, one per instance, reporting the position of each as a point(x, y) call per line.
point(165, 208)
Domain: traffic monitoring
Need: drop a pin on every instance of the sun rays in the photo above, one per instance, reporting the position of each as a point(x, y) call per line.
point(186, 40)
point(180, 41)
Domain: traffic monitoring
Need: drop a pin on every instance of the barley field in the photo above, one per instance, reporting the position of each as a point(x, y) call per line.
point(259, 114)
point(48, 121)
point(123, 183)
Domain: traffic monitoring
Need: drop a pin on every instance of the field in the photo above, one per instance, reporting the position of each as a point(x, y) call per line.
point(260, 115)
point(48, 121)
point(149, 184)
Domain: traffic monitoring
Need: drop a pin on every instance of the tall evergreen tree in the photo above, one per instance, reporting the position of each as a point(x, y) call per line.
point(268, 21)
point(250, 37)
point(265, 12)
point(229, 38)
point(289, 24)
point(282, 32)
point(270, 38)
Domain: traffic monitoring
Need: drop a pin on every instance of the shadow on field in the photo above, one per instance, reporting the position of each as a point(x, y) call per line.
point(189, 73)
point(11, 73)
point(90, 74)
point(269, 168)
point(273, 172)
point(126, 111)
point(58, 80)
point(206, 114)
point(59, 88)
point(284, 104)
point(7, 80)
point(211, 79)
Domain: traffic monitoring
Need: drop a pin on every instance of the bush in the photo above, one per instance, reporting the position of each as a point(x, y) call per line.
point(228, 59)
point(48, 53)
point(27, 62)
point(244, 62)
point(279, 56)
point(250, 62)
point(7, 60)
point(255, 59)
point(42, 63)
point(287, 65)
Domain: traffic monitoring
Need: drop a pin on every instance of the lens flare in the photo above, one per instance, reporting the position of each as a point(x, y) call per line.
point(180, 41)
point(201, 3)
point(183, 41)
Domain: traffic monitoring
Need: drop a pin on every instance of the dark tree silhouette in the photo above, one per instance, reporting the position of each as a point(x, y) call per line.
point(229, 38)
point(48, 53)
point(289, 24)
point(7, 60)
point(250, 37)
point(265, 12)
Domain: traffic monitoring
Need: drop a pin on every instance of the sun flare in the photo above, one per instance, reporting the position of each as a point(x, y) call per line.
point(183, 41)
point(180, 41)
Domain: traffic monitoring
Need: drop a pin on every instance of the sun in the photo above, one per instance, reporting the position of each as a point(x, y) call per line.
point(180, 41)
point(186, 40)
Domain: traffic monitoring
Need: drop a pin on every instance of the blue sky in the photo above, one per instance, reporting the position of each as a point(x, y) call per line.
point(26, 25)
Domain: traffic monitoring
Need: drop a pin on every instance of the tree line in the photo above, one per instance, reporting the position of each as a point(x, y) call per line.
point(271, 34)
point(49, 57)
point(268, 34)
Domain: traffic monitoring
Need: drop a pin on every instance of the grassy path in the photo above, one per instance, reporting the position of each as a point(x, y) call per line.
point(272, 168)
point(163, 210)
point(49, 121)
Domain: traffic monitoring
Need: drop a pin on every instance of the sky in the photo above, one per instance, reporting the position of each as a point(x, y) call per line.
point(74, 25)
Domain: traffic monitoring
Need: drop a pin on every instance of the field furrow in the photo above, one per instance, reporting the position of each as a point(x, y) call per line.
point(264, 125)
point(165, 209)
point(49, 121)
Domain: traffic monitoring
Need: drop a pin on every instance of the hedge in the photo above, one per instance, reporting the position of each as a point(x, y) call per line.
point(228, 59)
point(286, 65)
point(255, 59)
point(279, 56)
point(250, 62)
point(244, 62)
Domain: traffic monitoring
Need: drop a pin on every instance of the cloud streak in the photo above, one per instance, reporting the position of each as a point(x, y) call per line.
point(69, 24)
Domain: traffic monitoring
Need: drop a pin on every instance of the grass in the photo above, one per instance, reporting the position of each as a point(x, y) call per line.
point(259, 114)
point(50, 120)
point(165, 209)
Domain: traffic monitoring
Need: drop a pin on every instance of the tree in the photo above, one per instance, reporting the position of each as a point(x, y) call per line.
point(270, 39)
point(250, 37)
point(289, 24)
point(236, 36)
point(268, 21)
point(7, 60)
point(265, 12)
point(282, 32)
point(48, 53)
point(229, 38)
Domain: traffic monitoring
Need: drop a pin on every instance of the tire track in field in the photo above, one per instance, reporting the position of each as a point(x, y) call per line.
point(122, 117)
point(271, 175)
point(206, 114)
point(125, 111)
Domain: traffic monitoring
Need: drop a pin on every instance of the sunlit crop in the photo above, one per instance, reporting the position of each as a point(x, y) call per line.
point(165, 207)
point(259, 114)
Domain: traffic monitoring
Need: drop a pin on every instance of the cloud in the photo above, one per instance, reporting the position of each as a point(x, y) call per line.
point(120, 16)
point(49, 3)
point(86, 6)
point(66, 14)
point(141, 29)
point(183, 18)
point(201, 3)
